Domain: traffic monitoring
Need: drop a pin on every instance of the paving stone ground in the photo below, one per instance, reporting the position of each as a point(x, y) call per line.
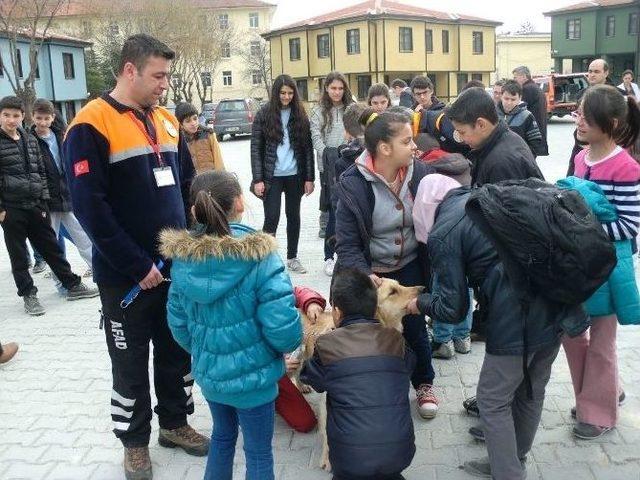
point(55, 396)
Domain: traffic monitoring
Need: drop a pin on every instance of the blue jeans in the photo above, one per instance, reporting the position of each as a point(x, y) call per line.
point(443, 332)
point(257, 432)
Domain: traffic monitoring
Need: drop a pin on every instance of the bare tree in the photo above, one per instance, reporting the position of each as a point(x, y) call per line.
point(526, 27)
point(194, 35)
point(256, 57)
point(26, 21)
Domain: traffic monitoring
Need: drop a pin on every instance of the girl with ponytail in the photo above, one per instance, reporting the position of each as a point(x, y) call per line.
point(231, 306)
point(609, 124)
point(374, 225)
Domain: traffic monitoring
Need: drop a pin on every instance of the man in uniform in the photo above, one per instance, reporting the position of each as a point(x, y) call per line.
point(129, 173)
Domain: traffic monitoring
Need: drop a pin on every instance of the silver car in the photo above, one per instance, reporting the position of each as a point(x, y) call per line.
point(234, 117)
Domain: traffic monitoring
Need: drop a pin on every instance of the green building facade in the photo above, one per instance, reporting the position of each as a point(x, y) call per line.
point(606, 29)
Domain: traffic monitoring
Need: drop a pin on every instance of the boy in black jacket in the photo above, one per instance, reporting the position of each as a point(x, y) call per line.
point(23, 209)
point(365, 369)
point(496, 153)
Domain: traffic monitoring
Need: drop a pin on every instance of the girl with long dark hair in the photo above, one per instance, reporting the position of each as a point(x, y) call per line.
point(327, 132)
point(374, 226)
point(282, 161)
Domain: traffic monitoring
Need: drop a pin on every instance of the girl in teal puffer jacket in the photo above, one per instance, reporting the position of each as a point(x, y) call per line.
point(231, 305)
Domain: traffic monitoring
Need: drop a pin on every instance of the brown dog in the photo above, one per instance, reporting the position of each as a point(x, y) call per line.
point(392, 306)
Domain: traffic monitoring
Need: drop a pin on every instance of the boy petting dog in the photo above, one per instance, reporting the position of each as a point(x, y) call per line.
point(365, 368)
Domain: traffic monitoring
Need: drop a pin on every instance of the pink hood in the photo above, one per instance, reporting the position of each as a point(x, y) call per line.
point(431, 191)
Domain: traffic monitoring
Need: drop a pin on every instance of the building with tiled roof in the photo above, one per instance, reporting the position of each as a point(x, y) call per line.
point(606, 29)
point(380, 40)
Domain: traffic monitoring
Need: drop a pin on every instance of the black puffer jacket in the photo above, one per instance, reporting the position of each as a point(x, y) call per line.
point(23, 181)
point(264, 151)
point(460, 252)
point(365, 370)
point(504, 156)
point(60, 197)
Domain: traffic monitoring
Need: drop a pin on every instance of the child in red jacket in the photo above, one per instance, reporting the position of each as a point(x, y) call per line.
point(290, 403)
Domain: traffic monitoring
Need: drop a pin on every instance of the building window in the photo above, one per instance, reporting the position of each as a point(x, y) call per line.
point(476, 76)
point(445, 41)
point(227, 80)
point(610, 29)
point(254, 20)
point(67, 63)
point(428, 41)
point(406, 39)
point(294, 49)
point(478, 47)
point(226, 50)
point(364, 83)
point(223, 21)
point(463, 79)
point(19, 63)
point(353, 41)
point(69, 110)
point(324, 46)
point(256, 77)
point(574, 29)
point(303, 89)
point(633, 23)
point(1, 67)
point(255, 49)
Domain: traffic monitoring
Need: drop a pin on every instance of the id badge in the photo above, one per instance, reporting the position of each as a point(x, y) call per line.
point(164, 176)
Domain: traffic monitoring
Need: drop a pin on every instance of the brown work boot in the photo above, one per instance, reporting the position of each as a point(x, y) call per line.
point(8, 352)
point(137, 464)
point(185, 438)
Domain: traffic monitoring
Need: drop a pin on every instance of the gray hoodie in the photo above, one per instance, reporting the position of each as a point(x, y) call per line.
point(393, 240)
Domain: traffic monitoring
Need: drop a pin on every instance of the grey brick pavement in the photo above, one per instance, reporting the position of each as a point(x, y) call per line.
point(54, 398)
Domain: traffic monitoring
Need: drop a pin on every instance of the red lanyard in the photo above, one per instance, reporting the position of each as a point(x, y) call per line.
point(154, 144)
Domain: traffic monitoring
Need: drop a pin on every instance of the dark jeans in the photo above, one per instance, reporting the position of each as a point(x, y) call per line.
point(128, 332)
point(292, 186)
point(330, 236)
point(61, 237)
point(257, 432)
point(20, 225)
point(415, 326)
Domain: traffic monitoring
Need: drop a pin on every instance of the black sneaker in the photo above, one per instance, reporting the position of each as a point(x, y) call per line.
point(621, 399)
point(39, 267)
point(32, 306)
point(81, 291)
point(471, 406)
point(477, 433)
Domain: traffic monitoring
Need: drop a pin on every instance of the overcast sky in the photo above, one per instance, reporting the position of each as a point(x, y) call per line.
point(511, 12)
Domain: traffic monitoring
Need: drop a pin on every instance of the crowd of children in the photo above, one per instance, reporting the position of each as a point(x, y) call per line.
point(396, 181)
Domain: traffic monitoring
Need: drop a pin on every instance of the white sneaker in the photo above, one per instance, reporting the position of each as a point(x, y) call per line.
point(294, 265)
point(462, 345)
point(329, 265)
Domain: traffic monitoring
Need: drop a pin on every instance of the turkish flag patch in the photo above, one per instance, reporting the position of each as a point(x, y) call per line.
point(81, 167)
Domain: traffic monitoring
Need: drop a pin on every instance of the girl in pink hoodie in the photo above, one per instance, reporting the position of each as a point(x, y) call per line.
point(447, 338)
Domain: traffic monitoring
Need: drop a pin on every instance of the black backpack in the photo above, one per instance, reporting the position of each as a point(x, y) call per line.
point(547, 238)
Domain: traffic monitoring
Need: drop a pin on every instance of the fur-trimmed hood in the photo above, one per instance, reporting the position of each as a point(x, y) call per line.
point(185, 245)
point(211, 265)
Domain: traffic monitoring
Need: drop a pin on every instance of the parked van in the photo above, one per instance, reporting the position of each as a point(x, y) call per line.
point(562, 91)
